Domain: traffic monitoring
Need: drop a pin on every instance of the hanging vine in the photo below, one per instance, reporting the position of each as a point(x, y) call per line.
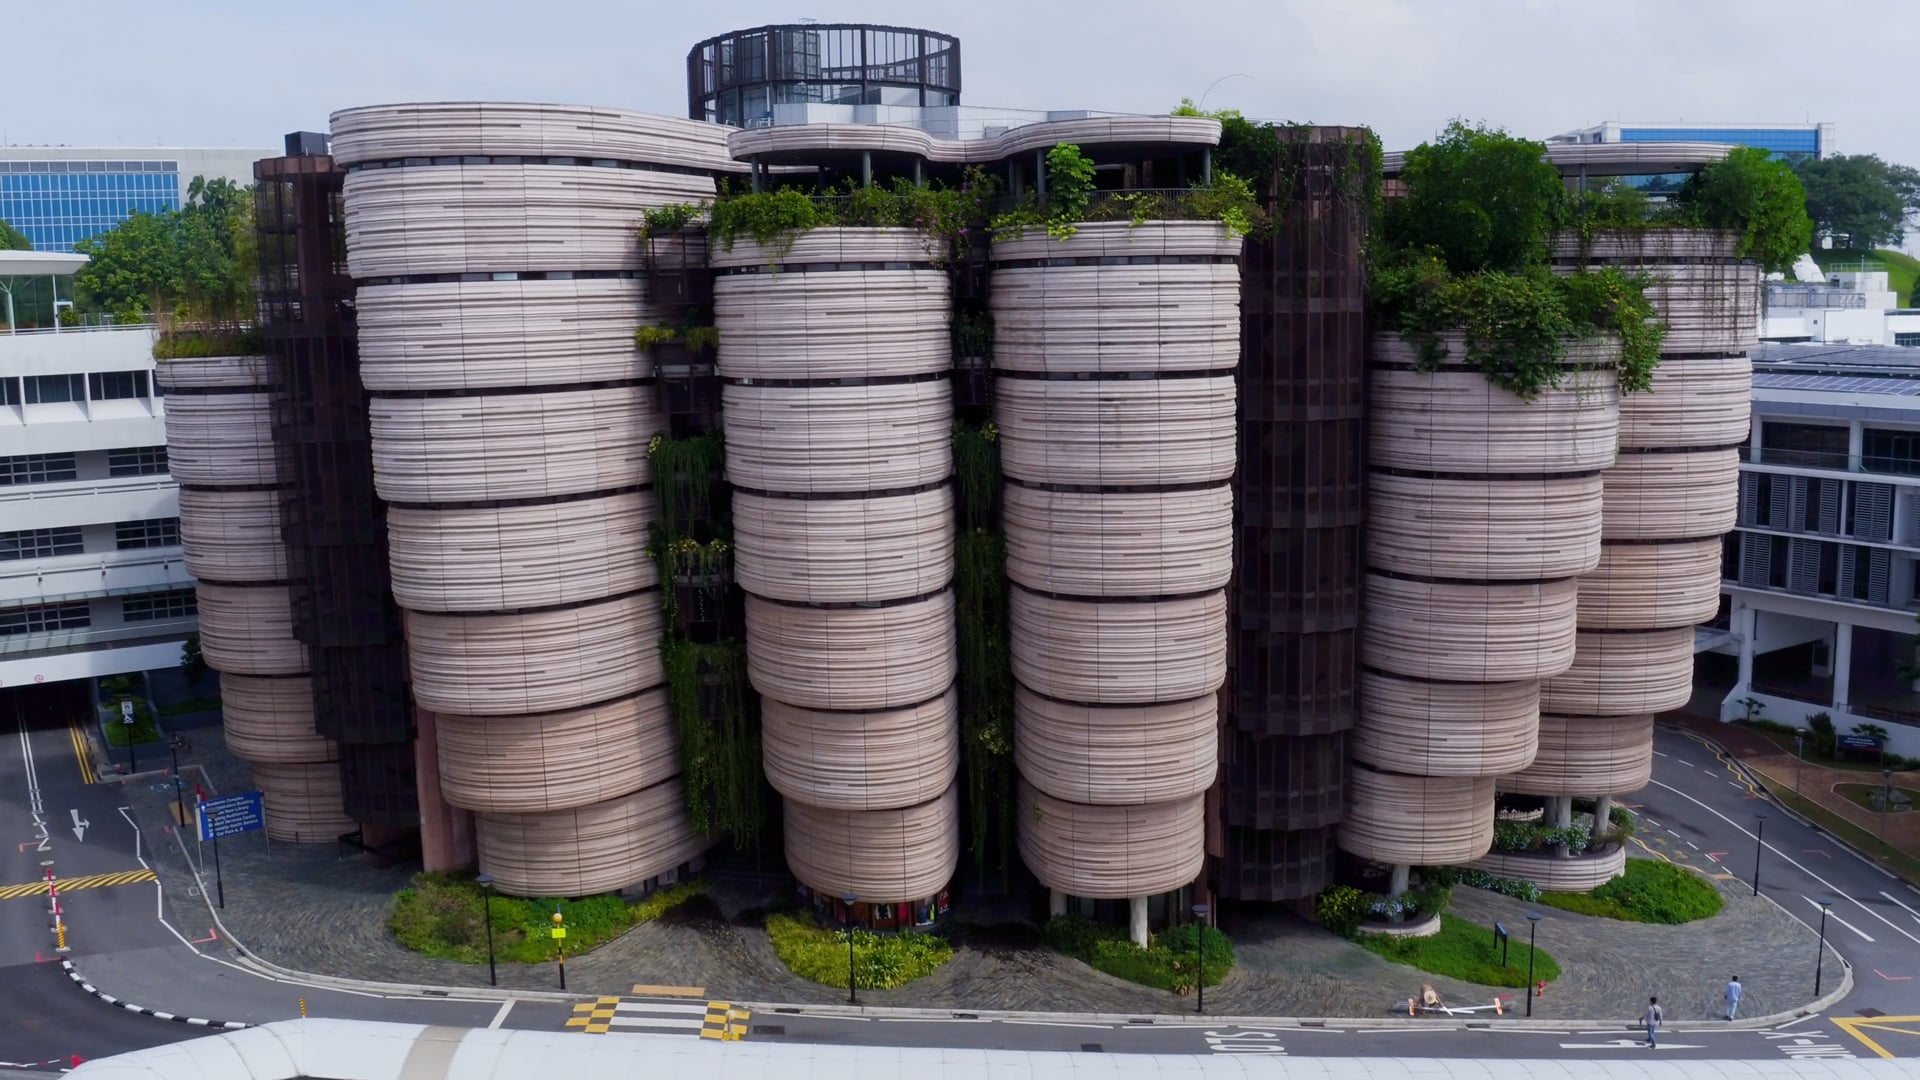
point(986, 673)
point(687, 473)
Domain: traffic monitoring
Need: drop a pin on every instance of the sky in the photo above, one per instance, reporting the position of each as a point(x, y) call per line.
point(225, 73)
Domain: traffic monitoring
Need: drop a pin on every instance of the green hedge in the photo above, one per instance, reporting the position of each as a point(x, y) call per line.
point(1464, 951)
point(1651, 891)
point(1166, 962)
point(443, 915)
point(880, 961)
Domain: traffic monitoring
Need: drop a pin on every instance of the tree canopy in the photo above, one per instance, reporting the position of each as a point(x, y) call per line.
point(194, 263)
point(11, 239)
point(1858, 200)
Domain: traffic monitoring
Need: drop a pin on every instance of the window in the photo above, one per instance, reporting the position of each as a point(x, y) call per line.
point(1890, 450)
point(177, 604)
point(112, 385)
point(1819, 446)
point(1781, 558)
point(36, 469)
point(53, 389)
point(137, 461)
point(40, 543)
point(152, 532)
point(9, 391)
point(1908, 340)
point(42, 618)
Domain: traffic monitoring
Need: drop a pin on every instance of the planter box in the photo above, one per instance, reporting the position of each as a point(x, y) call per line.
point(1554, 872)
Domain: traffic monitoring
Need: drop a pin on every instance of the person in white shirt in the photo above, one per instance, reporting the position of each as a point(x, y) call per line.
point(1652, 1020)
point(1733, 996)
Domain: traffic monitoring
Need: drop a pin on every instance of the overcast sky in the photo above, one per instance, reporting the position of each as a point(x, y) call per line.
point(226, 73)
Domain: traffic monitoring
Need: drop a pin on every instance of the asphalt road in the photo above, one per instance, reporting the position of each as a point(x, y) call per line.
point(1697, 807)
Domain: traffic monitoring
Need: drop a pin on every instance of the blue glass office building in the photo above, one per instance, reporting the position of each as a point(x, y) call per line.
point(1782, 140)
point(58, 202)
point(55, 203)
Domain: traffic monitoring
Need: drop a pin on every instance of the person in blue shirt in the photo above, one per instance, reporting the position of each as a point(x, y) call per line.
point(1733, 996)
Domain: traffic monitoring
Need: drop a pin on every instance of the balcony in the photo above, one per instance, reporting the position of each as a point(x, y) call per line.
point(88, 502)
point(1814, 459)
point(92, 639)
point(95, 574)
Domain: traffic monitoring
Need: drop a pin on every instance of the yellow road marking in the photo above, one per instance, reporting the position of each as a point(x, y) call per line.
point(593, 1017)
point(1884, 1025)
point(644, 990)
point(90, 881)
point(80, 753)
point(724, 1022)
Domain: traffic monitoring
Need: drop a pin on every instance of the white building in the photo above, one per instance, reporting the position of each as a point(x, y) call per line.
point(91, 574)
point(1847, 304)
point(1821, 575)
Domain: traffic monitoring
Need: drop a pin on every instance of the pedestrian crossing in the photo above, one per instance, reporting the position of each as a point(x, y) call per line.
point(89, 881)
point(709, 1020)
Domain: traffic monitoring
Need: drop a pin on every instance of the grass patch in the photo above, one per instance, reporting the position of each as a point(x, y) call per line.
point(1464, 951)
point(143, 730)
point(1902, 268)
point(1894, 859)
point(443, 915)
point(1852, 763)
point(1650, 891)
point(190, 706)
point(1167, 962)
point(880, 961)
point(1862, 795)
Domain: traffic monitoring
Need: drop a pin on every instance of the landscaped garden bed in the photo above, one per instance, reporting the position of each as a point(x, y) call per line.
point(444, 915)
point(1167, 962)
point(1651, 891)
point(880, 961)
point(1464, 951)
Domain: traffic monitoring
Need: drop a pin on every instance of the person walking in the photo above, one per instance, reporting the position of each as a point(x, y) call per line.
point(1733, 996)
point(1652, 1020)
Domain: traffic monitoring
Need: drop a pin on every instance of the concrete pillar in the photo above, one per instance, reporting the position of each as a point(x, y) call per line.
point(918, 179)
point(1398, 884)
point(1206, 166)
point(1842, 659)
point(1745, 622)
point(1137, 920)
point(866, 168)
point(1602, 816)
point(754, 165)
point(1040, 173)
point(1056, 902)
point(1856, 443)
point(446, 832)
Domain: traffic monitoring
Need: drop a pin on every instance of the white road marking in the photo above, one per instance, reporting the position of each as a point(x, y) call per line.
point(930, 1020)
point(1790, 861)
point(1685, 762)
point(1818, 907)
point(1621, 1044)
point(1797, 1020)
point(1693, 845)
point(661, 1023)
point(1658, 753)
point(1903, 907)
point(500, 1017)
point(1039, 1023)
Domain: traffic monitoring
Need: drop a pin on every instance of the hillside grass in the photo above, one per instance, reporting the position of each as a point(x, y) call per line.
point(1902, 269)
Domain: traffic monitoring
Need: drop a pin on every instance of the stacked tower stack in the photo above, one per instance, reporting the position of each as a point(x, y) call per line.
point(1114, 354)
point(496, 250)
point(1483, 509)
point(1668, 500)
point(220, 448)
point(838, 418)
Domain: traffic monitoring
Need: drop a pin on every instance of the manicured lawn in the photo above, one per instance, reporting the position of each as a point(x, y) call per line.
point(880, 961)
point(1650, 891)
point(1783, 740)
point(1900, 862)
point(443, 915)
point(1864, 793)
point(1166, 962)
point(1464, 951)
point(143, 730)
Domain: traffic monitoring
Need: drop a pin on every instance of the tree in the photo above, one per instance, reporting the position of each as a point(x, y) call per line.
point(1480, 198)
point(11, 239)
point(1756, 197)
point(1858, 200)
point(194, 263)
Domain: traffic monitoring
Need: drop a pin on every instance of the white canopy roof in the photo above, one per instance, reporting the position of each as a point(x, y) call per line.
point(40, 263)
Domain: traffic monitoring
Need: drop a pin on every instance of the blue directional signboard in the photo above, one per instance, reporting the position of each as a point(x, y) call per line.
point(231, 815)
point(1859, 742)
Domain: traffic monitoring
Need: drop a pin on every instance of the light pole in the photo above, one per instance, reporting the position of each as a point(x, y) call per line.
point(1533, 925)
point(1886, 801)
point(853, 994)
point(1820, 957)
point(485, 881)
point(1200, 957)
point(179, 801)
point(1799, 755)
point(1758, 832)
point(1217, 82)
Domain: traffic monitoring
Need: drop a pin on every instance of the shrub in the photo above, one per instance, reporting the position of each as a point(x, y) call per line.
point(1464, 951)
point(1651, 891)
point(1166, 962)
point(1505, 886)
point(880, 961)
point(443, 915)
point(667, 218)
point(1339, 909)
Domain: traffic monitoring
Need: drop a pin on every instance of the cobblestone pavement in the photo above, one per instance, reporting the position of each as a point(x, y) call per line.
point(308, 908)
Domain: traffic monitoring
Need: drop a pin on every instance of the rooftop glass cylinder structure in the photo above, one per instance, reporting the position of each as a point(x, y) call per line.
point(737, 78)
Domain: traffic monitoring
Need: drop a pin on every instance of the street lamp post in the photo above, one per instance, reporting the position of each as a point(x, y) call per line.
point(1200, 957)
point(485, 881)
point(1798, 757)
point(179, 800)
point(1533, 925)
point(1758, 846)
point(853, 993)
point(1886, 801)
point(1820, 957)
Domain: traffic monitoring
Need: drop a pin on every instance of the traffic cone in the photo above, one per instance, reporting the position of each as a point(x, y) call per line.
point(1497, 1010)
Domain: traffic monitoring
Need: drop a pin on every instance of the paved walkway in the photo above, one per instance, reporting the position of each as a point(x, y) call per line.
point(307, 908)
point(1813, 782)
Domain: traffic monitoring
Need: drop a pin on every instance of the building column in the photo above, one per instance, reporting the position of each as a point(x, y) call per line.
point(1040, 173)
point(1602, 816)
point(1842, 662)
point(1856, 442)
point(1056, 902)
point(1401, 871)
point(1137, 920)
point(1745, 622)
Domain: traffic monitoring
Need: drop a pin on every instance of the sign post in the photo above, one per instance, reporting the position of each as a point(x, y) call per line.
point(126, 720)
point(560, 939)
point(229, 816)
point(1500, 939)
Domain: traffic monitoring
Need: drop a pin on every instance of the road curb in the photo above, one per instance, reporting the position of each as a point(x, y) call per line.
point(194, 1021)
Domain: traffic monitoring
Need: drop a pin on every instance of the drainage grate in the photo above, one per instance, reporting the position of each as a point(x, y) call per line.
point(1093, 1048)
point(433, 993)
point(966, 1016)
point(790, 1010)
point(1869, 1012)
point(769, 1029)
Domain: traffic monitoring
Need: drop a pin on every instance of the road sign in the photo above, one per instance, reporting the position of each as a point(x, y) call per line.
point(1859, 742)
point(126, 712)
point(232, 815)
point(559, 932)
